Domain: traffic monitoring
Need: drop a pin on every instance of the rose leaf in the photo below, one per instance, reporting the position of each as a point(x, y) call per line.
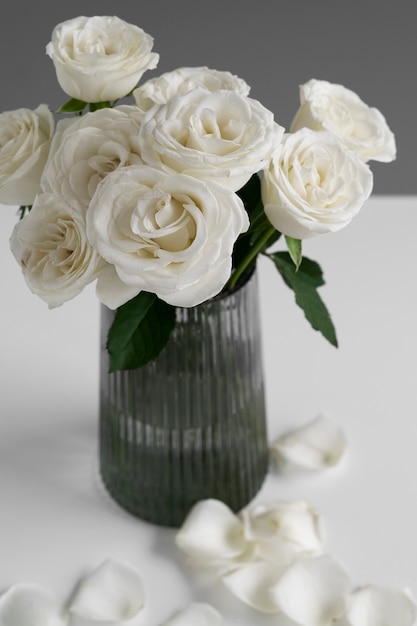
point(72, 106)
point(304, 282)
point(140, 330)
point(295, 249)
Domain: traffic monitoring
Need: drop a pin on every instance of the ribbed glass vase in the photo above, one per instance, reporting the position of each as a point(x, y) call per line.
point(191, 424)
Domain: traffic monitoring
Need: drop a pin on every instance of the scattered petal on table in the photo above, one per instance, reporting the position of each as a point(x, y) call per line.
point(111, 593)
point(318, 444)
point(381, 606)
point(211, 533)
point(197, 614)
point(283, 527)
point(29, 605)
point(252, 584)
point(312, 591)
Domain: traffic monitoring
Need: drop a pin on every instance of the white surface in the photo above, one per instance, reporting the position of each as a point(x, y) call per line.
point(56, 523)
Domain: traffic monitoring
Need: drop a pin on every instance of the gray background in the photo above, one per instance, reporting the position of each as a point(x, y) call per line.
point(369, 46)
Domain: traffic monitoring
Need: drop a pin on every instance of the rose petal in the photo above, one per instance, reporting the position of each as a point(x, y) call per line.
point(211, 533)
point(312, 591)
point(113, 592)
point(197, 613)
point(112, 291)
point(283, 527)
point(381, 606)
point(318, 444)
point(252, 584)
point(29, 605)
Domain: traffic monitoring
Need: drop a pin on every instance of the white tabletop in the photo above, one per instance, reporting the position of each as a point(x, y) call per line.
point(56, 522)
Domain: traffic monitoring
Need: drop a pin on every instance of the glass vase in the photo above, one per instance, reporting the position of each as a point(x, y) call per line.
point(191, 424)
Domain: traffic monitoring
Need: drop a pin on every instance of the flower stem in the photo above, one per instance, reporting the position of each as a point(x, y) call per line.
point(254, 251)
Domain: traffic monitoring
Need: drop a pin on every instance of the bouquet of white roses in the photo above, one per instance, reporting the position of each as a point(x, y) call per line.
point(168, 200)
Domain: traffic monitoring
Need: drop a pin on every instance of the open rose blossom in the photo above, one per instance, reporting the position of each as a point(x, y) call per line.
point(51, 246)
point(162, 88)
point(100, 58)
point(168, 234)
point(86, 149)
point(314, 185)
point(25, 137)
point(332, 107)
point(219, 135)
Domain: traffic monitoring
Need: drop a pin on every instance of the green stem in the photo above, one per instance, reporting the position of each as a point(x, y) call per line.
point(257, 220)
point(22, 210)
point(250, 257)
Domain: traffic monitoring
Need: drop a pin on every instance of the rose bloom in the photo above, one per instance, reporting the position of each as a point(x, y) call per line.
point(161, 89)
point(314, 184)
point(219, 135)
point(52, 248)
point(25, 137)
point(86, 150)
point(100, 58)
point(168, 234)
point(332, 107)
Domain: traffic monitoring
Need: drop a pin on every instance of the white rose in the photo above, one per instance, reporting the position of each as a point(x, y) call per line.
point(219, 135)
point(25, 137)
point(171, 235)
point(100, 58)
point(161, 89)
point(86, 150)
point(51, 246)
point(314, 185)
point(332, 107)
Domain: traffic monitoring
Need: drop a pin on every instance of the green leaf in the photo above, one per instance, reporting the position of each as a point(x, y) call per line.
point(250, 193)
point(140, 330)
point(304, 283)
point(295, 249)
point(95, 106)
point(72, 106)
point(259, 235)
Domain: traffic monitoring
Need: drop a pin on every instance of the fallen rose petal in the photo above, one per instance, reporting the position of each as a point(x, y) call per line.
point(211, 533)
point(113, 592)
point(381, 606)
point(197, 613)
point(312, 591)
point(283, 527)
point(318, 444)
point(29, 605)
point(252, 584)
